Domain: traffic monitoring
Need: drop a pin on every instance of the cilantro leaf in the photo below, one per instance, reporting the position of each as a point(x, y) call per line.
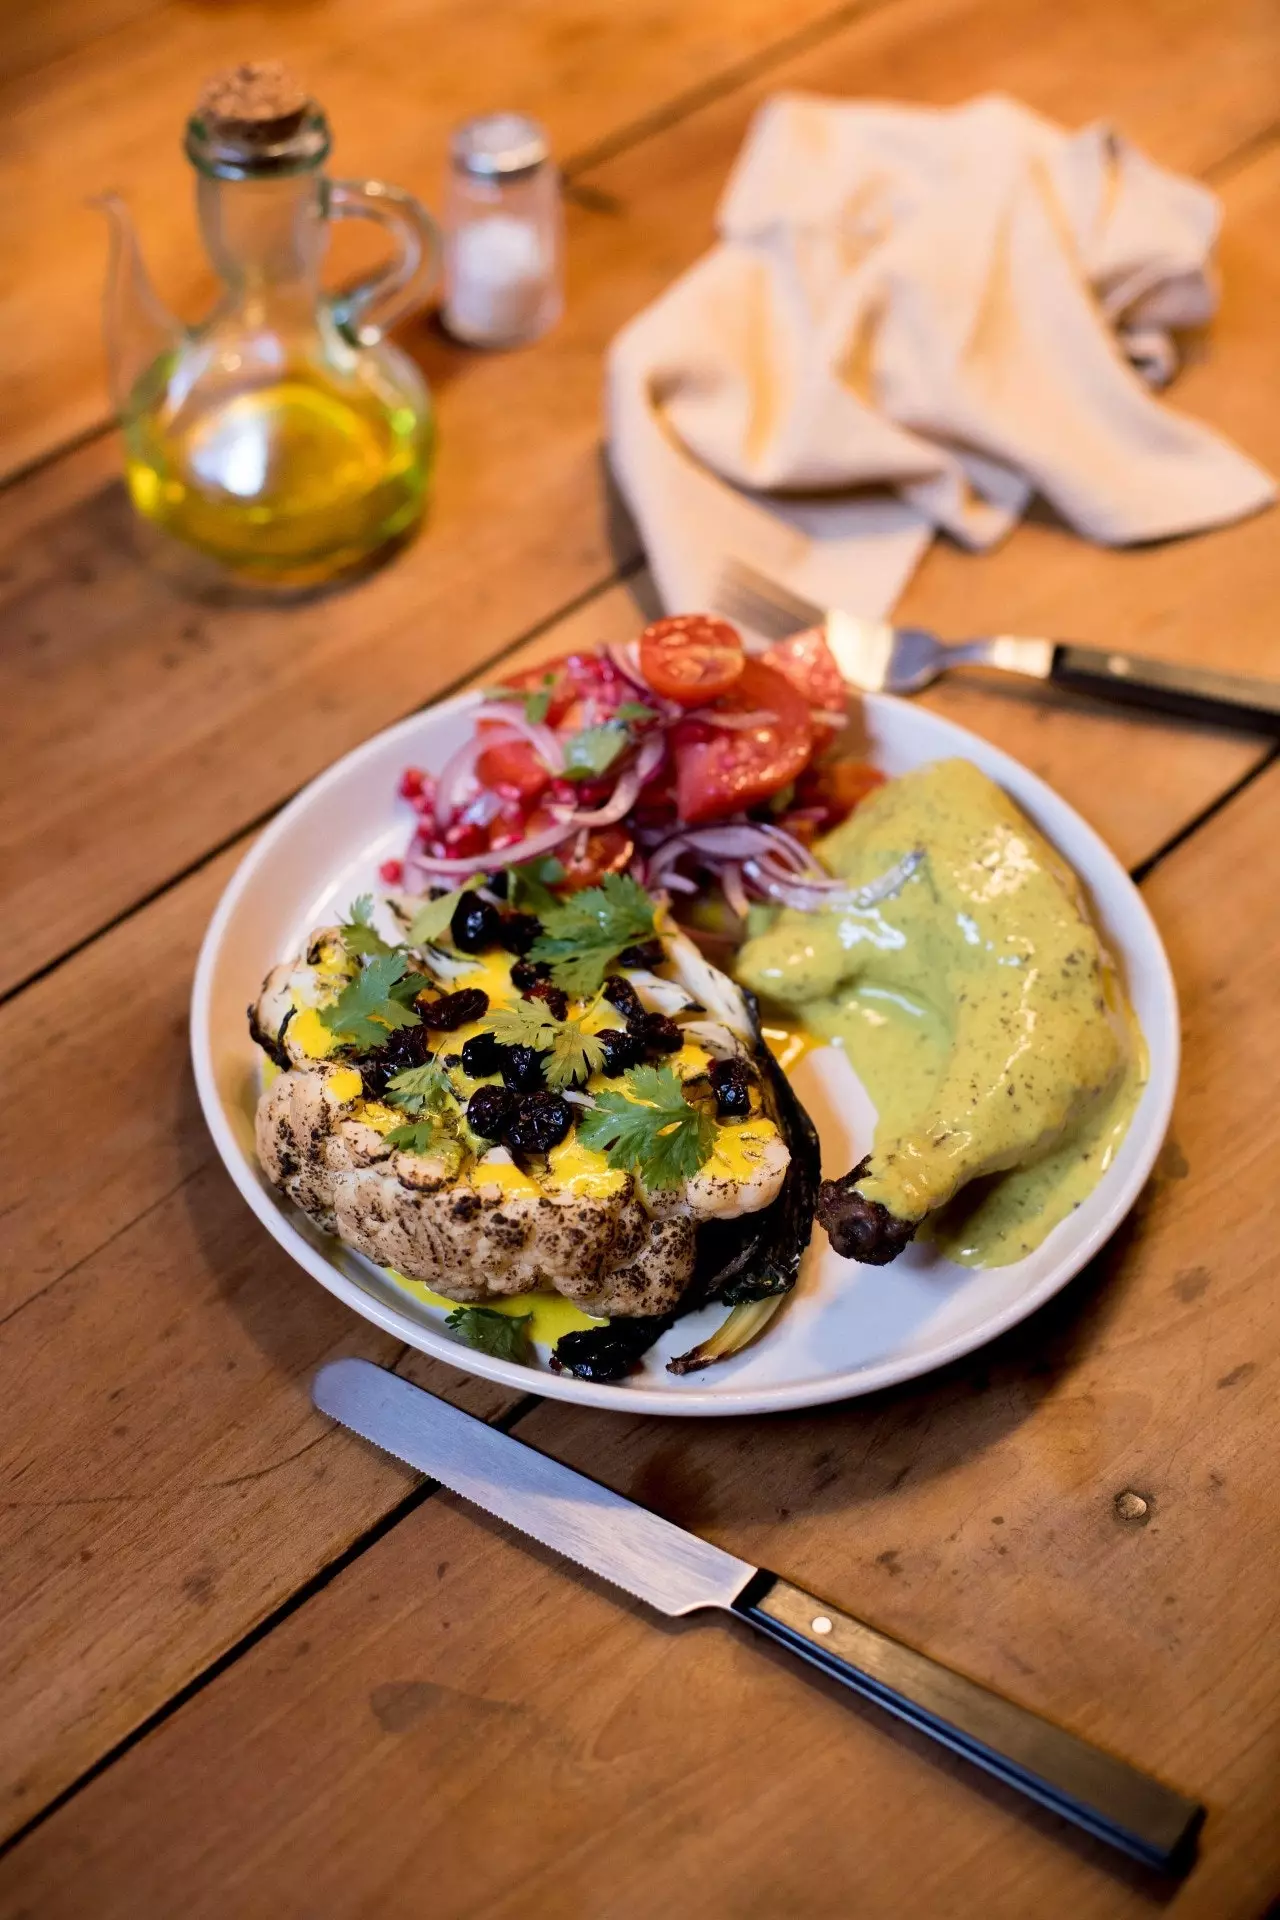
point(418, 1136)
point(593, 750)
point(651, 1130)
point(530, 883)
point(433, 916)
point(421, 1090)
point(536, 700)
point(364, 1013)
point(570, 1056)
point(582, 934)
point(635, 710)
point(359, 935)
point(504, 1335)
point(407, 990)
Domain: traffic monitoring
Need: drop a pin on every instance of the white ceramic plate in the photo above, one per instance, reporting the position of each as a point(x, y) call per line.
point(847, 1329)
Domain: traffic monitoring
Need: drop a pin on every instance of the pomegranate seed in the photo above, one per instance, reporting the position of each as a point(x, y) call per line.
point(411, 783)
point(391, 872)
point(564, 793)
point(424, 803)
point(500, 837)
point(464, 839)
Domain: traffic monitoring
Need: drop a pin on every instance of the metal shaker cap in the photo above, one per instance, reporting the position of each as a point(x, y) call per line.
point(499, 146)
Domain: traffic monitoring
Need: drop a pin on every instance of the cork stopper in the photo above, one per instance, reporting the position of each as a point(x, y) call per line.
point(257, 104)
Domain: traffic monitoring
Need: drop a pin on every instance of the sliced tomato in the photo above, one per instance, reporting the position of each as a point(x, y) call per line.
point(809, 664)
point(838, 786)
point(511, 763)
point(607, 850)
point(721, 771)
point(691, 657)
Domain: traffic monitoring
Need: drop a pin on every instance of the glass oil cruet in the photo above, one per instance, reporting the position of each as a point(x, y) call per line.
point(284, 437)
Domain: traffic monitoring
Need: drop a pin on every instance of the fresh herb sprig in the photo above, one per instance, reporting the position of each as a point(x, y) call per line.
point(373, 1004)
point(530, 884)
point(593, 750)
point(535, 700)
point(359, 935)
point(651, 1130)
point(433, 916)
point(504, 1335)
point(584, 934)
point(570, 1055)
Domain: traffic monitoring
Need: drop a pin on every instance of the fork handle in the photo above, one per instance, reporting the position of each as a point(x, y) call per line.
point(1194, 693)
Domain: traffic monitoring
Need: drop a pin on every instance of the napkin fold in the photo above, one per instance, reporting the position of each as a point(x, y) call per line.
point(917, 319)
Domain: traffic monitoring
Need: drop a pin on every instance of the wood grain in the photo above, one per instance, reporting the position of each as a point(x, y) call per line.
point(393, 85)
point(186, 723)
point(461, 1719)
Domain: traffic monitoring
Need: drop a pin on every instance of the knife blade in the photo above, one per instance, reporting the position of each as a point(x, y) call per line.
point(678, 1573)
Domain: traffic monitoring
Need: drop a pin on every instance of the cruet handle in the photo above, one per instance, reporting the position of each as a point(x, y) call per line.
point(371, 308)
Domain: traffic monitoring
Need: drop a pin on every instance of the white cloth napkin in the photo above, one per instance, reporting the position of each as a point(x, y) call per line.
point(916, 319)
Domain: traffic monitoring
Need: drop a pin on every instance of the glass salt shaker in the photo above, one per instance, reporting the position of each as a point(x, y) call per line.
point(503, 232)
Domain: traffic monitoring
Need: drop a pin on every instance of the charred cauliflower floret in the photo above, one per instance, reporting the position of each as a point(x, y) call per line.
point(442, 1132)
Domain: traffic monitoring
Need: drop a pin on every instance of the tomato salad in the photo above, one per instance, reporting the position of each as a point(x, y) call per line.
point(679, 757)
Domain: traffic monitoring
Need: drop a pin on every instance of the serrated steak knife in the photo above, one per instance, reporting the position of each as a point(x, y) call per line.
point(677, 1573)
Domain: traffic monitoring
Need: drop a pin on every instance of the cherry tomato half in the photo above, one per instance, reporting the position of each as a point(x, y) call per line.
point(838, 786)
point(607, 850)
point(721, 771)
point(691, 657)
point(809, 664)
point(511, 763)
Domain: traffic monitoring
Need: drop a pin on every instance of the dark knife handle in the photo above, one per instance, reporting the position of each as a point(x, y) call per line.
point(1103, 1795)
point(1194, 693)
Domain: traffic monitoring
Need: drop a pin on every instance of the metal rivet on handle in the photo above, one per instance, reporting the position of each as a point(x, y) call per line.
point(821, 1624)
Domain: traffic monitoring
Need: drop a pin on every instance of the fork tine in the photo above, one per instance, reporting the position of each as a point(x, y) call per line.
point(764, 604)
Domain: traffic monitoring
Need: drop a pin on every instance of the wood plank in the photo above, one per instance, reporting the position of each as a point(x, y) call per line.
point(393, 79)
point(463, 1719)
point(183, 723)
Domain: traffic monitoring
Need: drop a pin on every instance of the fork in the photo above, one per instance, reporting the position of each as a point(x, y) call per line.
point(875, 657)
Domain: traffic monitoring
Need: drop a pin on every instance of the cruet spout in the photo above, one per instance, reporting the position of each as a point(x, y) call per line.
point(140, 331)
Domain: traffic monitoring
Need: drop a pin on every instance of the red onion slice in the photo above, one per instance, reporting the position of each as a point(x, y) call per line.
point(454, 778)
point(495, 858)
point(808, 896)
point(541, 738)
point(627, 791)
point(627, 660)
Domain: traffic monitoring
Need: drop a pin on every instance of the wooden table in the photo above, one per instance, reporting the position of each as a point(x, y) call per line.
point(250, 1667)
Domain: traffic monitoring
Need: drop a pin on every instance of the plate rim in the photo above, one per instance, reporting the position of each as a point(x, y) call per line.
point(719, 1402)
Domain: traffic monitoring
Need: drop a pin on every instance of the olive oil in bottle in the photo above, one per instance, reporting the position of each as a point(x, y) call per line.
point(284, 438)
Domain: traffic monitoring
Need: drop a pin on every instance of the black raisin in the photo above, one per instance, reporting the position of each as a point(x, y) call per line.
point(621, 994)
point(453, 1010)
point(453, 1059)
point(475, 924)
point(661, 1035)
point(481, 1055)
point(489, 1112)
point(554, 999)
point(648, 953)
point(731, 1080)
point(518, 932)
point(621, 1050)
point(541, 1122)
point(521, 1069)
point(526, 973)
point(406, 1047)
